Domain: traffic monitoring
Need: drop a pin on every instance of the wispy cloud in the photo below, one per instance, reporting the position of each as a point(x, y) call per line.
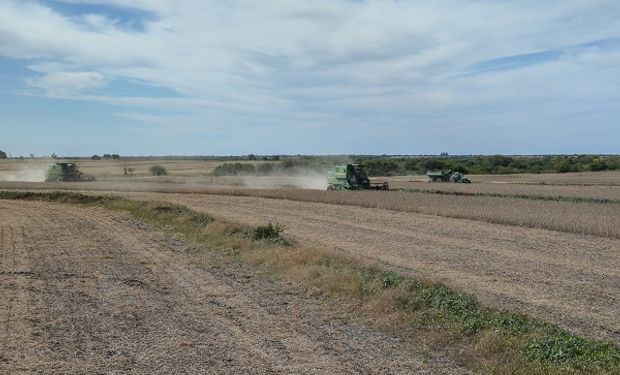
point(64, 83)
point(327, 62)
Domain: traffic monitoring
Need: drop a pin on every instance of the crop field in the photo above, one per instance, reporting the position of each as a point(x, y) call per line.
point(547, 246)
point(595, 213)
point(601, 191)
point(123, 297)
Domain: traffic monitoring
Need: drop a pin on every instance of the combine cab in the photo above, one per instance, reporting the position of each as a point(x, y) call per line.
point(352, 177)
point(447, 176)
point(66, 172)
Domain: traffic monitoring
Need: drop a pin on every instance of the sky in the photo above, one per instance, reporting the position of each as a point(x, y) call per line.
point(233, 77)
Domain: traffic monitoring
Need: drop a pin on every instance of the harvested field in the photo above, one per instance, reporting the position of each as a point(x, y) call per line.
point(607, 178)
point(105, 169)
point(611, 178)
point(583, 217)
point(86, 291)
point(572, 280)
point(582, 192)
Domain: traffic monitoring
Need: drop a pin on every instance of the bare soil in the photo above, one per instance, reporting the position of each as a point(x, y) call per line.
point(569, 279)
point(86, 291)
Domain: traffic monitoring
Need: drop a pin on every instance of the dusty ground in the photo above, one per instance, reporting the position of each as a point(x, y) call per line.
point(84, 291)
point(572, 280)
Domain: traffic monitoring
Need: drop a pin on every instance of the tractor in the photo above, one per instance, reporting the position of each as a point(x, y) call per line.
point(66, 172)
point(447, 176)
point(352, 177)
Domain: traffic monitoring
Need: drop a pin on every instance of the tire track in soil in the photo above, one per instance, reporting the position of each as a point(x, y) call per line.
point(569, 279)
point(16, 279)
point(113, 295)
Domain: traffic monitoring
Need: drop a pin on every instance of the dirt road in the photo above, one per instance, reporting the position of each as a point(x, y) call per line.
point(87, 291)
point(572, 280)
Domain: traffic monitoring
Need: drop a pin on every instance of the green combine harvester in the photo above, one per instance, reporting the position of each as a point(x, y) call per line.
point(352, 177)
point(447, 176)
point(66, 172)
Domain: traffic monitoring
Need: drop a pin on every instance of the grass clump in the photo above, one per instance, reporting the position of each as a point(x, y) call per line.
point(270, 233)
point(158, 170)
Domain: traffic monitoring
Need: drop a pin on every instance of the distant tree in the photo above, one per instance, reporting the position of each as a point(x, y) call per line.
point(95, 157)
point(107, 156)
point(444, 154)
point(252, 157)
point(54, 156)
point(31, 156)
point(116, 156)
point(276, 158)
point(598, 166)
point(3, 155)
point(432, 165)
point(158, 170)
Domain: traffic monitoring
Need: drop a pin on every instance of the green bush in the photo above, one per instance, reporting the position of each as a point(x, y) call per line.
point(270, 233)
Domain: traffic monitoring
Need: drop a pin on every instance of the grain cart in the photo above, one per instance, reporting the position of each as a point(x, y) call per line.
point(66, 172)
point(447, 176)
point(352, 177)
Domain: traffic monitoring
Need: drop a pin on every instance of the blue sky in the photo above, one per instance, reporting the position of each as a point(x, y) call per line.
point(160, 77)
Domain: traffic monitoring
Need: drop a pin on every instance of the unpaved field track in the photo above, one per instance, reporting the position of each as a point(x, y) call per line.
point(572, 280)
point(84, 291)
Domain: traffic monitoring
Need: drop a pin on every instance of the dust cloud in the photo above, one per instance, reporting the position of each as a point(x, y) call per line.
point(28, 173)
point(311, 180)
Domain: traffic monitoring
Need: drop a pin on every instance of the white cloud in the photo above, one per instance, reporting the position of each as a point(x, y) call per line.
point(69, 83)
point(303, 61)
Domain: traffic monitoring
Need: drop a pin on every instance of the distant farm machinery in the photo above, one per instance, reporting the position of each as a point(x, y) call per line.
point(66, 172)
point(352, 177)
point(447, 176)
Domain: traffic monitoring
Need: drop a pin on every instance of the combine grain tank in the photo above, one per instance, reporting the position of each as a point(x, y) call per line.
point(352, 177)
point(66, 172)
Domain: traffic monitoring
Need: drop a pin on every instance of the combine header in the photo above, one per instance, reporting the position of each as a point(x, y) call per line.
point(66, 172)
point(447, 176)
point(352, 177)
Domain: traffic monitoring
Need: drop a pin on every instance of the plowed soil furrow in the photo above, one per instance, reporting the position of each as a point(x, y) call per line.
point(86, 291)
point(569, 279)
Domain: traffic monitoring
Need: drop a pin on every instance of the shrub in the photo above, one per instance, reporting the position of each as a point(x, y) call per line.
point(270, 233)
point(158, 170)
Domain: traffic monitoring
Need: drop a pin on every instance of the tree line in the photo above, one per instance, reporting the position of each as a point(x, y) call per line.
point(495, 164)
point(400, 166)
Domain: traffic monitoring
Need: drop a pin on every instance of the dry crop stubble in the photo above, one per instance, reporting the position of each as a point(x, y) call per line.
point(523, 190)
point(456, 306)
point(121, 297)
point(582, 217)
point(567, 278)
